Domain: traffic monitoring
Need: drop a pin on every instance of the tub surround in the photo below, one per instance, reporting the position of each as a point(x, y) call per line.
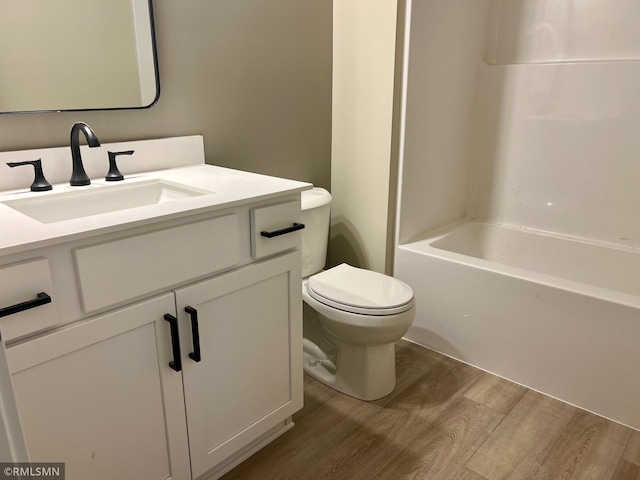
point(515, 115)
point(557, 149)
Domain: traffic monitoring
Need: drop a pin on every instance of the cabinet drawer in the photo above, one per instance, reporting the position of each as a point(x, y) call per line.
point(22, 286)
point(275, 228)
point(121, 270)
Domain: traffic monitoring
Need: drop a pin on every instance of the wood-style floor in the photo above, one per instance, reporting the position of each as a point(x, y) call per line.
point(445, 420)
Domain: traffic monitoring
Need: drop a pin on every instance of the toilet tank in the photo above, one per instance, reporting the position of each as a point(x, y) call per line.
point(316, 215)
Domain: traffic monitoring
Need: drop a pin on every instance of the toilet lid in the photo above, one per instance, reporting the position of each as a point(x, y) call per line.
point(360, 291)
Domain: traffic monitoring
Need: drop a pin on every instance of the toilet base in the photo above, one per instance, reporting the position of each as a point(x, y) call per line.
point(364, 372)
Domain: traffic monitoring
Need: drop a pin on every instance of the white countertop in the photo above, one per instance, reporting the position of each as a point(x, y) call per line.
point(229, 188)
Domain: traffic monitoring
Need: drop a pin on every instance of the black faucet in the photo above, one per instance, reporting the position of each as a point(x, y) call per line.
point(79, 176)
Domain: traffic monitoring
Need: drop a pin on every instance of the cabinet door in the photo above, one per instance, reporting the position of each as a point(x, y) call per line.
point(249, 377)
point(100, 396)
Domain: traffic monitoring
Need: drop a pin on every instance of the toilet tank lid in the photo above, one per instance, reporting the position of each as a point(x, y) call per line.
point(314, 198)
point(360, 288)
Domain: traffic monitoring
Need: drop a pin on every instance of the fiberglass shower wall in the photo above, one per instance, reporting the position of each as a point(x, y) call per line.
point(524, 113)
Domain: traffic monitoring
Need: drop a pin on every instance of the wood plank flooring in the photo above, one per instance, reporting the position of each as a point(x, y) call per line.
point(445, 421)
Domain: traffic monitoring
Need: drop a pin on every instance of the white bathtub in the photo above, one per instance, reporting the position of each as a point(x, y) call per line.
point(557, 314)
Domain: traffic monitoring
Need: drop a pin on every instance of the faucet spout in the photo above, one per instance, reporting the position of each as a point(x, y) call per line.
point(79, 176)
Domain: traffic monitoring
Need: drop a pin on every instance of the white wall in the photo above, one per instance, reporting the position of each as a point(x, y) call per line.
point(364, 45)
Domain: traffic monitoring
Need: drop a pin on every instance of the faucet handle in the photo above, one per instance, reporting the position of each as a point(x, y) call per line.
point(114, 174)
point(40, 183)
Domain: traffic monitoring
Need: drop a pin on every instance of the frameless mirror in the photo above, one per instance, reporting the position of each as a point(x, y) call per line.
point(59, 55)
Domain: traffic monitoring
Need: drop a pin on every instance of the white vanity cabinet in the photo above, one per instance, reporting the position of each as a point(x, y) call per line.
point(242, 358)
point(99, 396)
point(188, 355)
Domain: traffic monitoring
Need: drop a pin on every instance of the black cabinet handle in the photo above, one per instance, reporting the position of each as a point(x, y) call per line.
point(41, 299)
point(292, 228)
point(195, 333)
point(175, 342)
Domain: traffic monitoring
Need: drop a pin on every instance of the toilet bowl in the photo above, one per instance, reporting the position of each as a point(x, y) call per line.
point(352, 317)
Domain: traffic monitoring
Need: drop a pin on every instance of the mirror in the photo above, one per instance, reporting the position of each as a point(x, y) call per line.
point(60, 55)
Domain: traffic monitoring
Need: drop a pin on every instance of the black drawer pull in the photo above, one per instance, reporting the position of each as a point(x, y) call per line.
point(292, 228)
point(176, 364)
point(195, 333)
point(42, 299)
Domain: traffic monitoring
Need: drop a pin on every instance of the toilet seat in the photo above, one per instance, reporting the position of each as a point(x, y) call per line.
point(357, 290)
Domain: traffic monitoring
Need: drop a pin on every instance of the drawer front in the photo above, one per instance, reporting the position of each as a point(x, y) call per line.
point(24, 309)
point(125, 269)
point(275, 228)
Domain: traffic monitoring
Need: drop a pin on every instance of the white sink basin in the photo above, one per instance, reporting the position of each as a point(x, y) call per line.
point(101, 199)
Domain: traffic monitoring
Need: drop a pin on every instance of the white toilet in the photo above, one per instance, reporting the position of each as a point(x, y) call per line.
point(352, 317)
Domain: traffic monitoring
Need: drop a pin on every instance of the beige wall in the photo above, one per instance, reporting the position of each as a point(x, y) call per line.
point(363, 97)
point(253, 77)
